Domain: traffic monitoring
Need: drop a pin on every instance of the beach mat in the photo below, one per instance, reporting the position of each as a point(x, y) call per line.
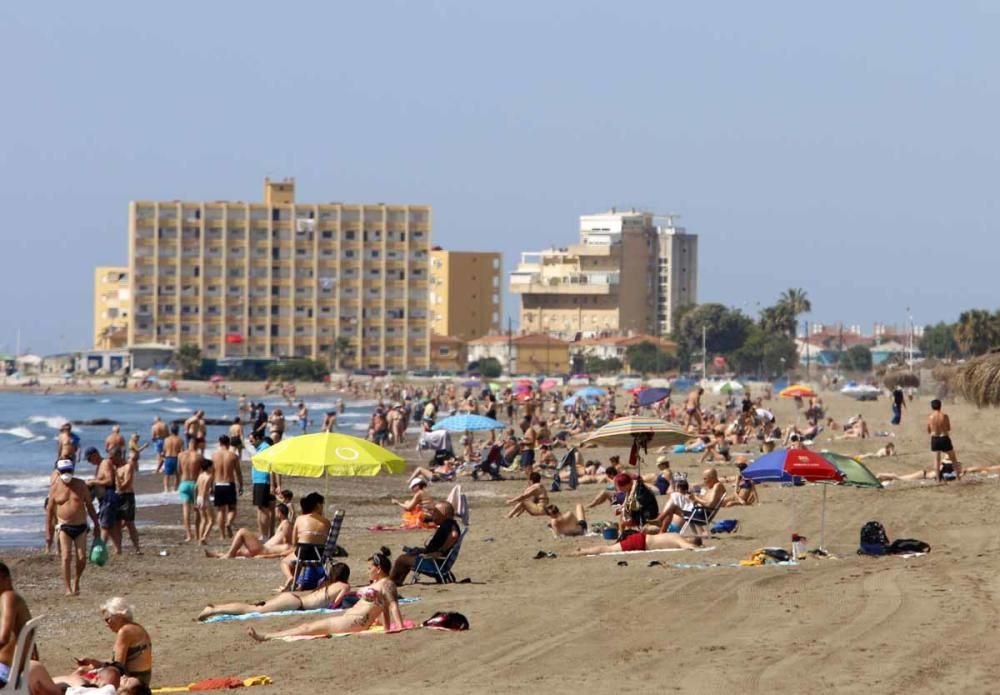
point(661, 550)
point(224, 683)
point(281, 614)
point(373, 630)
point(379, 528)
point(711, 565)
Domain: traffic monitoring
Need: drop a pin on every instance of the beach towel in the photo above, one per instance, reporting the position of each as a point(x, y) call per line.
point(373, 630)
point(380, 528)
point(227, 683)
point(662, 550)
point(457, 501)
point(279, 614)
point(710, 565)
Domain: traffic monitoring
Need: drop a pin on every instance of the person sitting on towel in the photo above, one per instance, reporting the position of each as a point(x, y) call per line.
point(567, 524)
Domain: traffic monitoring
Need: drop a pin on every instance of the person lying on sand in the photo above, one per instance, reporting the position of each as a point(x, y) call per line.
point(377, 602)
point(640, 541)
point(888, 450)
point(950, 469)
point(246, 544)
point(532, 500)
point(567, 524)
point(856, 428)
point(330, 595)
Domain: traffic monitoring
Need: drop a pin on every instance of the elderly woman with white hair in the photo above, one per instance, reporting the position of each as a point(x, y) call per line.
point(133, 647)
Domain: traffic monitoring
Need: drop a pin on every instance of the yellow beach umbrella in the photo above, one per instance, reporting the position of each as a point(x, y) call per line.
point(325, 454)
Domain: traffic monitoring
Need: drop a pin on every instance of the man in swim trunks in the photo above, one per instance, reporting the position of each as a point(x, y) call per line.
point(228, 485)
point(569, 524)
point(189, 468)
point(125, 483)
point(265, 487)
point(157, 434)
point(939, 428)
point(69, 507)
point(639, 542)
point(171, 448)
point(692, 408)
point(14, 614)
point(107, 492)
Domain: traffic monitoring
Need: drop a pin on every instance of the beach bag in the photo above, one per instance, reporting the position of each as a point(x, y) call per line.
point(444, 620)
point(725, 526)
point(99, 552)
point(874, 540)
point(902, 546)
point(776, 554)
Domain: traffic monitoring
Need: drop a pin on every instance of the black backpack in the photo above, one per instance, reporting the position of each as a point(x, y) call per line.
point(447, 621)
point(874, 540)
point(903, 546)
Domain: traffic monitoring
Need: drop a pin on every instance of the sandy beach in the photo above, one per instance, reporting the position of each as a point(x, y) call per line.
point(844, 624)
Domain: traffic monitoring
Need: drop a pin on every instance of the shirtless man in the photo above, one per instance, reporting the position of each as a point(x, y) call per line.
point(68, 446)
point(228, 485)
point(568, 524)
point(171, 449)
point(204, 520)
point(69, 507)
point(125, 483)
point(303, 415)
point(939, 428)
point(528, 442)
point(14, 614)
point(115, 440)
point(107, 493)
point(330, 421)
point(709, 499)
point(277, 425)
point(189, 468)
point(158, 434)
point(692, 408)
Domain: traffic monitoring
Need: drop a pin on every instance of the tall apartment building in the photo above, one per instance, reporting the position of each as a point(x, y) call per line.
point(465, 293)
point(628, 273)
point(338, 282)
point(111, 307)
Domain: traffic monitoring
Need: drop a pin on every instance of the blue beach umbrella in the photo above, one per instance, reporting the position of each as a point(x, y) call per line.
point(591, 392)
point(651, 396)
point(468, 423)
point(572, 400)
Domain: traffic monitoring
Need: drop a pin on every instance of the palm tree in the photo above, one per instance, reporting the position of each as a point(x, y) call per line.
point(794, 301)
point(341, 349)
point(976, 331)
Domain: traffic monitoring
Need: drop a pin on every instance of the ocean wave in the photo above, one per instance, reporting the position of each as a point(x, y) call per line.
point(360, 427)
point(148, 401)
point(22, 432)
point(53, 421)
point(174, 399)
point(10, 505)
point(104, 400)
point(178, 410)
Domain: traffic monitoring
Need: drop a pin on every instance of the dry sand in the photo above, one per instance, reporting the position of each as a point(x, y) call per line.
point(847, 625)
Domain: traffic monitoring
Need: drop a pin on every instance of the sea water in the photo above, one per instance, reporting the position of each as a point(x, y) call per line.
point(29, 428)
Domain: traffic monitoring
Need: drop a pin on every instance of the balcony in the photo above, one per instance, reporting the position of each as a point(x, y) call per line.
point(576, 283)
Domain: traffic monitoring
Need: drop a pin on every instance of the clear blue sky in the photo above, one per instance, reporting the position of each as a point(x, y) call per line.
point(850, 149)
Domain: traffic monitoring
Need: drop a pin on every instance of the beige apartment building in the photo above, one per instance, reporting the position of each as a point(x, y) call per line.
point(628, 274)
point(465, 293)
point(345, 283)
point(111, 307)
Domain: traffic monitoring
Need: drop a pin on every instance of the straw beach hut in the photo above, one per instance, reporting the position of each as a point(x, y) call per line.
point(901, 379)
point(979, 380)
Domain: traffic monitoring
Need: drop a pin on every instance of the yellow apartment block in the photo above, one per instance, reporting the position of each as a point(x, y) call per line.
point(111, 307)
point(465, 293)
point(343, 283)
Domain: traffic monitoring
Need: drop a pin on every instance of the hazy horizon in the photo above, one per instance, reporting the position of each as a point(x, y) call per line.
point(846, 150)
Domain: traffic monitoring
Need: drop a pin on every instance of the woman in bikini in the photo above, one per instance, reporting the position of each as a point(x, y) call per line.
point(413, 509)
point(133, 646)
point(330, 595)
point(376, 602)
point(246, 544)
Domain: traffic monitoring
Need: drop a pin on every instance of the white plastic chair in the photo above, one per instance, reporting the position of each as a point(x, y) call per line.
point(18, 683)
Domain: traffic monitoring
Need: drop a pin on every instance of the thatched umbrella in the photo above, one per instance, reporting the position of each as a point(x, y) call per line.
point(899, 379)
point(946, 376)
point(979, 380)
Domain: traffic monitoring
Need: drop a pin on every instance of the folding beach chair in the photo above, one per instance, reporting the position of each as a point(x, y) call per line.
point(701, 517)
point(18, 683)
point(318, 558)
point(439, 568)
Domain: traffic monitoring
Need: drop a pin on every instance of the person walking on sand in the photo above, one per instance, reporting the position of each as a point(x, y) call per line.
point(228, 485)
point(68, 510)
point(939, 428)
point(189, 468)
point(203, 488)
point(172, 447)
point(692, 408)
point(898, 403)
point(125, 483)
point(107, 492)
point(265, 486)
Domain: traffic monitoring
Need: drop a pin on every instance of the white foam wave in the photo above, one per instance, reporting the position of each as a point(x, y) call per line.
point(53, 421)
point(178, 410)
point(22, 432)
point(150, 400)
point(360, 427)
point(104, 400)
point(174, 399)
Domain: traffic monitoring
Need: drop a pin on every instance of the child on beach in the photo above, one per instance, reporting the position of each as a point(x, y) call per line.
point(204, 519)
